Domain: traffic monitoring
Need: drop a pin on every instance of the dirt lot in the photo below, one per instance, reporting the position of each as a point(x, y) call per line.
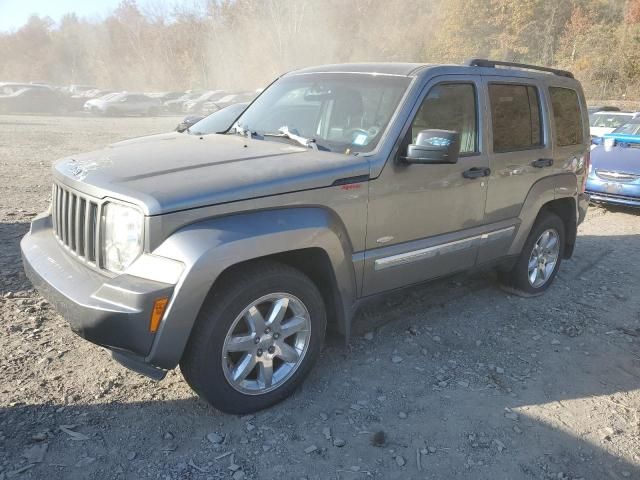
point(464, 380)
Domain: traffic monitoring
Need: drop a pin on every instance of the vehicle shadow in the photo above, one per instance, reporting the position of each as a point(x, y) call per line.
point(168, 439)
point(555, 409)
point(609, 208)
point(12, 277)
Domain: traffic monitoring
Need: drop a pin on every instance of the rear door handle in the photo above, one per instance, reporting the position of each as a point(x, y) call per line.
point(543, 162)
point(476, 172)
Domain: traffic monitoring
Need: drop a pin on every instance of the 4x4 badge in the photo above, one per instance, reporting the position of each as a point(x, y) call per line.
point(75, 169)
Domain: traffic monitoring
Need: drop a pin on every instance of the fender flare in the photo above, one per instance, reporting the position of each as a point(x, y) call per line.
point(545, 190)
point(209, 247)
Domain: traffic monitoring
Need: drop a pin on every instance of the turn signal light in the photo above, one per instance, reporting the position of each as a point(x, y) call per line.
point(159, 306)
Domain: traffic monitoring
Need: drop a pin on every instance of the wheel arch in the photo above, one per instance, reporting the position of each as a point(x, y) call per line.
point(558, 194)
point(312, 239)
point(565, 208)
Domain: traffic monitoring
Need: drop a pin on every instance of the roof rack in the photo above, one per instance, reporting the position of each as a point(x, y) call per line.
point(482, 62)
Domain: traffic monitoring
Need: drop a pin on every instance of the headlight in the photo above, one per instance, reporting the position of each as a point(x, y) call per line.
point(609, 142)
point(123, 227)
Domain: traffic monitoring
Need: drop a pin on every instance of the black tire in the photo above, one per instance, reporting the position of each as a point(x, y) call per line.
point(202, 364)
point(517, 279)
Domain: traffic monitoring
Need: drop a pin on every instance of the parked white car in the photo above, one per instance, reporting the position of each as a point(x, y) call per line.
point(601, 123)
point(123, 104)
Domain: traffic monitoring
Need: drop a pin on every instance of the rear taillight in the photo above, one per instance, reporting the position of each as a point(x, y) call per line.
point(586, 169)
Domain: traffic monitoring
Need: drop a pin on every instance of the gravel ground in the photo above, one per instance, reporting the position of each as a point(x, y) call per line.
point(453, 379)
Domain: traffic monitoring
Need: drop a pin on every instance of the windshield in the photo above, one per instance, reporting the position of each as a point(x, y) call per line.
point(608, 120)
point(109, 95)
point(339, 112)
point(632, 128)
point(219, 121)
point(20, 92)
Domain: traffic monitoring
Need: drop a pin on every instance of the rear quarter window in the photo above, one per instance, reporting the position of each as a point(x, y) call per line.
point(567, 116)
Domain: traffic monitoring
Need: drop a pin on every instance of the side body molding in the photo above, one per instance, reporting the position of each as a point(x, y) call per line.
point(209, 247)
point(545, 190)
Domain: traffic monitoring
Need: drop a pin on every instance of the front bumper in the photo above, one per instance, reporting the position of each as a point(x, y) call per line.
point(616, 193)
point(583, 205)
point(113, 312)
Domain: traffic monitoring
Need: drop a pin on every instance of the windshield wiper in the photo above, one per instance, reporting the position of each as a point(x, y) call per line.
point(284, 132)
point(244, 131)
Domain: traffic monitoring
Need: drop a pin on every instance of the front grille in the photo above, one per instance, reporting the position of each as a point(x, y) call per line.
point(76, 223)
point(617, 176)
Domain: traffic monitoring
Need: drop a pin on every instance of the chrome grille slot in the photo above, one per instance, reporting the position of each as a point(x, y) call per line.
point(75, 223)
point(81, 209)
point(92, 232)
point(617, 176)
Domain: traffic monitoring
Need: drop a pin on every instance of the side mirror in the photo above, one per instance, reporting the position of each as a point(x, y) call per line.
point(433, 147)
point(187, 123)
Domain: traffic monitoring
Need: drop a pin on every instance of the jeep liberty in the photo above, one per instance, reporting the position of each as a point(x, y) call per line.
point(230, 254)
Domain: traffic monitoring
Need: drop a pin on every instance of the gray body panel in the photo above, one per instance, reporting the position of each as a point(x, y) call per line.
point(202, 171)
point(208, 248)
point(111, 312)
point(213, 202)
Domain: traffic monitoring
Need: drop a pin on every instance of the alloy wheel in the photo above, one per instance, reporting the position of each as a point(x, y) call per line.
point(543, 258)
point(266, 343)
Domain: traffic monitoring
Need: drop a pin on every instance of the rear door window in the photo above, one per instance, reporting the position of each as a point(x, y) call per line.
point(515, 117)
point(566, 116)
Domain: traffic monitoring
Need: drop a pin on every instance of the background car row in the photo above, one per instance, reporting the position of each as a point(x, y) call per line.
point(18, 97)
point(605, 119)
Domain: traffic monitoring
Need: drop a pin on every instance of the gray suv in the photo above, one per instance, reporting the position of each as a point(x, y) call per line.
point(231, 254)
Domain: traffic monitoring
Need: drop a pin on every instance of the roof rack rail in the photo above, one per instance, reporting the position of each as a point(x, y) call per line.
point(482, 62)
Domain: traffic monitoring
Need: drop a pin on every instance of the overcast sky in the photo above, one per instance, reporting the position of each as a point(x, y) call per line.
point(14, 13)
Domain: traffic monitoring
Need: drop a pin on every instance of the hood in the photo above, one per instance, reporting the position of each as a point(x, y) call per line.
point(616, 159)
point(172, 171)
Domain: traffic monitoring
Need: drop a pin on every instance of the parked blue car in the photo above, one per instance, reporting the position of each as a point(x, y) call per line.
point(614, 175)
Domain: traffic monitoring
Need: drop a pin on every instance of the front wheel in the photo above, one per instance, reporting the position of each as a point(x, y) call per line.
point(256, 339)
point(540, 258)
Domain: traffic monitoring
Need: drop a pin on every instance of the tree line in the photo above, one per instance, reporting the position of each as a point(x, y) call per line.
point(243, 44)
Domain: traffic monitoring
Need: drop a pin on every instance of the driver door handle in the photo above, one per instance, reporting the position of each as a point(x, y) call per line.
point(543, 162)
point(476, 172)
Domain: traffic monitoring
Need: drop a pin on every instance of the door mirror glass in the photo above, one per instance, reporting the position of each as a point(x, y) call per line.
point(434, 146)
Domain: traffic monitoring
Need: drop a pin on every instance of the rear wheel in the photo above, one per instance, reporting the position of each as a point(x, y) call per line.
point(540, 258)
point(256, 338)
